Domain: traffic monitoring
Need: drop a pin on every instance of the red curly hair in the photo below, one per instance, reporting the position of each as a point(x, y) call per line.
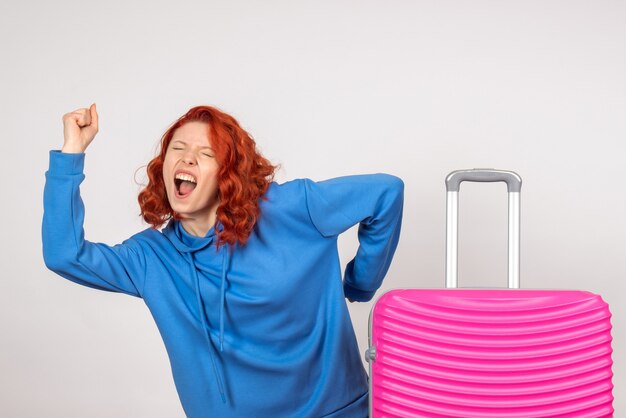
point(243, 177)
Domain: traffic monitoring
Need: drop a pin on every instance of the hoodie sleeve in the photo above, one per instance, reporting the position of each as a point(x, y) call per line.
point(375, 203)
point(119, 268)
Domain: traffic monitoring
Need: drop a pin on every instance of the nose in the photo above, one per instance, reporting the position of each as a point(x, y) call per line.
point(189, 158)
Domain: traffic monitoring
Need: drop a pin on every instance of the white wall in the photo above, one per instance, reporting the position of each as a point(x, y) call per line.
point(415, 88)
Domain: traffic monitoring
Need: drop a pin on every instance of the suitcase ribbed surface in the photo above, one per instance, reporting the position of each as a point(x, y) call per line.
point(491, 353)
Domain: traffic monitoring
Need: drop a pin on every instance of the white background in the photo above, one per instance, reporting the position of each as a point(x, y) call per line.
point(413, 88)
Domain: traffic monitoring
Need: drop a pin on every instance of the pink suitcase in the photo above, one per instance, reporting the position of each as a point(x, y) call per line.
point(479, 353)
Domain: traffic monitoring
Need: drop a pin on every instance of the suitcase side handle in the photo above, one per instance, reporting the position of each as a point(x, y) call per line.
point(453, 183)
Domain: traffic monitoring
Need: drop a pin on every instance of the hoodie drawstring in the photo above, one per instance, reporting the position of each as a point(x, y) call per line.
point(205, 324)
point(223, 296)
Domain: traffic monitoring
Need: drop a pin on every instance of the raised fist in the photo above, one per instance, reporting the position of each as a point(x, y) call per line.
point(79, 129)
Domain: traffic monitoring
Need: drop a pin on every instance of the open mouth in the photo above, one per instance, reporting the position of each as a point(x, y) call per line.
point(185, 184)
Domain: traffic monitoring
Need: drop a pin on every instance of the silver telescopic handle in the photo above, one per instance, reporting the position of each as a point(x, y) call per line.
point(453, 183)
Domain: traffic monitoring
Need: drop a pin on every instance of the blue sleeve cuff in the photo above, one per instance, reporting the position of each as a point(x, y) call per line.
point(358, 295)
point(64, 163)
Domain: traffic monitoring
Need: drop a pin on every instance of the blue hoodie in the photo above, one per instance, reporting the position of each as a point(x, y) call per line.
point(259, 330)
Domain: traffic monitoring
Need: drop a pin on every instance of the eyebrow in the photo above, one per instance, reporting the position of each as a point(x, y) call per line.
point(184, 143)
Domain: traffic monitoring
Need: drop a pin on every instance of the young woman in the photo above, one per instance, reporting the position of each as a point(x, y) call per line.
point(244, 280)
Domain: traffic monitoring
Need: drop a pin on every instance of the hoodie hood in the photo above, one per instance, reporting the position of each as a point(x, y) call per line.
point(188, 245)
point(184, 241)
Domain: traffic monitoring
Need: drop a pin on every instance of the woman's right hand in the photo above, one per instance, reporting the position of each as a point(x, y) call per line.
point(79, 129)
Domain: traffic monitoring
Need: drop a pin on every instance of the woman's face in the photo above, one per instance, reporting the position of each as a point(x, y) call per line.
point(190, 173)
